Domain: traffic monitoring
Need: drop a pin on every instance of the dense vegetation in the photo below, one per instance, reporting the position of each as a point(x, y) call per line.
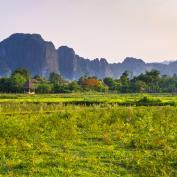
point(86, 133)
point(42, 136)
point(149, 82)
point(93, 98)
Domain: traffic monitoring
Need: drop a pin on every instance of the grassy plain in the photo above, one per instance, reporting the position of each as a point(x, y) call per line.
point(41, 135)
point(94, 98)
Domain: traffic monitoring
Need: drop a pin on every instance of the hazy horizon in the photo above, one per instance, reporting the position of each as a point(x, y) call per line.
point(111, 29)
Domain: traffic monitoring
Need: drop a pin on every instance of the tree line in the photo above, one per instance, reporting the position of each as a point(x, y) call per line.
point(148, 82)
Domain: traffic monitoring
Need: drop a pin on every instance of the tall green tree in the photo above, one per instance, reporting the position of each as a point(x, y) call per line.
point(17, 82)
point(23, 72)
point(125, 82)
point(44, 87)
point(55, 78)
point(5, 85)
point(74, 86)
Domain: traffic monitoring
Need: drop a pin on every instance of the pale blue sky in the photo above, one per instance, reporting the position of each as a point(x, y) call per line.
point(112, 29)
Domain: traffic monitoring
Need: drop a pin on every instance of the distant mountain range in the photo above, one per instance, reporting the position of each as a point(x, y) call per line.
point(40, 57)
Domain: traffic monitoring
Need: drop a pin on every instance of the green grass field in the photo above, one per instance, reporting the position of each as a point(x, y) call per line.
point(40, 135)
point(87, 97)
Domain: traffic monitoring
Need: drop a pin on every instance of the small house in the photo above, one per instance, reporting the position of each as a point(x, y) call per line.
point(29, 86)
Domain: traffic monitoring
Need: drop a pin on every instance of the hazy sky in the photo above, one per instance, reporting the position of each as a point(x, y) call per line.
point(112, 29)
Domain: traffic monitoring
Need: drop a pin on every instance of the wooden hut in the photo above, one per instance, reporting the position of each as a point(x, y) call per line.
point(29, 87)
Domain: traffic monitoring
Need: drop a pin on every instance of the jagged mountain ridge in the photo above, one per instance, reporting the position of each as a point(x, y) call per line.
point(41, 57)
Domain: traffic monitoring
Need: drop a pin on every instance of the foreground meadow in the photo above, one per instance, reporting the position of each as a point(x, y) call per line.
point(53, 139)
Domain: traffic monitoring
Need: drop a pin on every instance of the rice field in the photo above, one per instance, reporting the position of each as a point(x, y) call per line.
point(40, 135)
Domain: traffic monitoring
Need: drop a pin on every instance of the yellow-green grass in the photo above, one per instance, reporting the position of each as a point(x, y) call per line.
point(77, 140)
point(86, 97)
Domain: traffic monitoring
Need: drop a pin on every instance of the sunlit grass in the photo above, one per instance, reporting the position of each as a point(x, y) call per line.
point(41, 139)
point(88, 98)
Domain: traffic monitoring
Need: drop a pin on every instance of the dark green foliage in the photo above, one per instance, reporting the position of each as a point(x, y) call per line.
point(38, 78)
point(113, 85)
point(149, 82)
point(23, 72)
point(55, 78)
point(145, 101)
point(74, 86)
point(44, 88)
point(5, 85)
point(61, 88)
point(17, 82)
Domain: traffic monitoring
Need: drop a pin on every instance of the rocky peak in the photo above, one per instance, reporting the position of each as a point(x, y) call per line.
point(67, 61)
point(103, 61)
point(65, 50)
point(130, 60)
point(22, 36)
point(30, 51)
